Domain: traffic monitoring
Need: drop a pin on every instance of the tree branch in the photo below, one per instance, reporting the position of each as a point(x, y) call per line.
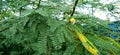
point(38, 4)
point(73, 11)
point(4, 29)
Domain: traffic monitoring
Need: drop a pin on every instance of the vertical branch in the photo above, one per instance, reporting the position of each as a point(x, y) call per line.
point(38, 4)
point(20, 11)
point(73, 11)
point(47, 46)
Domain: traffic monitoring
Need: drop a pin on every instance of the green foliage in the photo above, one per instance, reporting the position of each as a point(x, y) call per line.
point(39, 31)
point(110, 7)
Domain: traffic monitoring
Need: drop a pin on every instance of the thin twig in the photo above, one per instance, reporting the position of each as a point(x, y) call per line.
point(73, 11)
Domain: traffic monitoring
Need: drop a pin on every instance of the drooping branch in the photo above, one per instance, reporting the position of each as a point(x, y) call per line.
point(74, 6)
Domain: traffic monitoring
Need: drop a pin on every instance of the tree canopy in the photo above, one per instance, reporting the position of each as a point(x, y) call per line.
point(56, 27)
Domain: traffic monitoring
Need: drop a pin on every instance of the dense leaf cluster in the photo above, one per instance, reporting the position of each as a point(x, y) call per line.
point(38, 31)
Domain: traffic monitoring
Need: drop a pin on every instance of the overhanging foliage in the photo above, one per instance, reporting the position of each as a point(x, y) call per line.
point(38, 31)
